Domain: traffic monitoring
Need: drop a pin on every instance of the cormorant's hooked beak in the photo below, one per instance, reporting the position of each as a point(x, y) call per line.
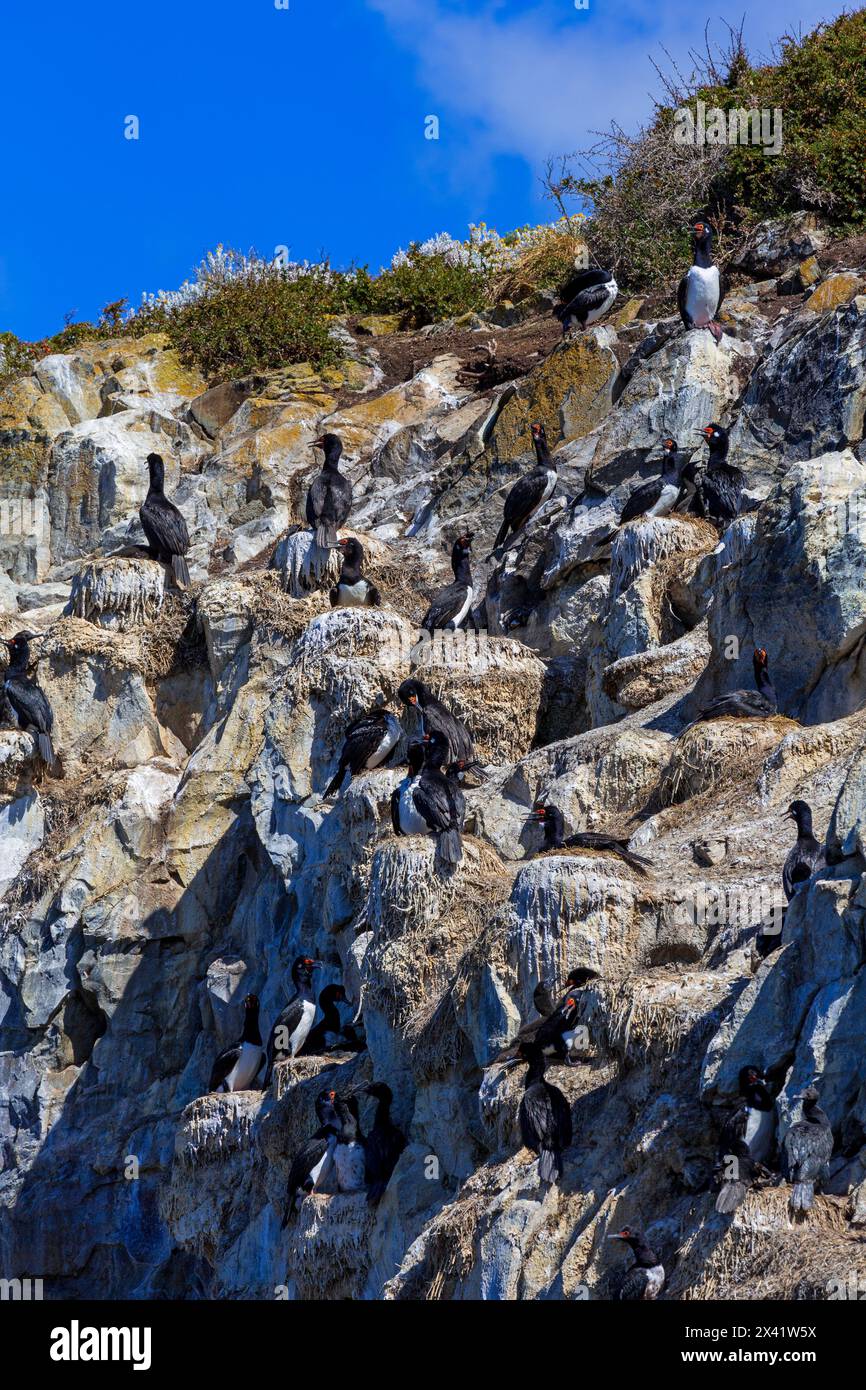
point(318, 443)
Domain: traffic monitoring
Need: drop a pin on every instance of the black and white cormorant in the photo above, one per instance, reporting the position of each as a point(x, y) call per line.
point(746, 704)
point(293, 1023)
point(162, 523)
point(646, 1278)
point(554, 1030)
point(349, 1150)
point(424, 804)
point(369, 741)
point(807, 856)
point(329, 499)
point(435, 718)
point(352, 589)
point(327, 1034)
point(530, 492)
point(719, 485)
point(655, 498)
point(553, 821)
point(702, 288)
point(591, 294)
point(26, 698)
point(545, 1117)
point(237, 1067)
point(452, 604)
point(383, 1145)
point(808, 1149)
point(313, 1163)
point(746, 1139)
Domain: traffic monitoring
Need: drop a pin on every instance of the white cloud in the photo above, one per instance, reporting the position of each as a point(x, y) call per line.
point(536, 82)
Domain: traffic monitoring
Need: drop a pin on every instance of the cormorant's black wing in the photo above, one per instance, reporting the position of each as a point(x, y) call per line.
point(585, 301)
point(740, 704)
point(723, 290)
point(435, 802)
point(590, 839)
point(437, 717)
point(641, 500)
point(808, 1147)
point(306, 1159)
point(362, 740)
point(163, 525)
point(723, 491)
point(395, 810)
point(445, 606)
point(329, 499)
point(523, 498)
point(581, 281)
point(223, 1065)
point(681, 301)
point(29, 703)
point(286, 1022)
point(633, 1284)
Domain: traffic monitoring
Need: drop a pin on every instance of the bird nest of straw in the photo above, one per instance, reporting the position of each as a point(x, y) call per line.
point(763, 1254)
point(328, 1249)
point(424, 915)
point(718, 752)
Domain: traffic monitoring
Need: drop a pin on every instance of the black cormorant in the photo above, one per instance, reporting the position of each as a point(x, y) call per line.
point(807, 856)
point(545, 1117)
point(530, 492)
point(746, 704)
point(352, 589)
point(329, 499)
point(162, 523)
point(369, 741)
point(435, 718)
point(808, 1149)
point(383, 1145)
point(452, 604)
point(26, 699)
point(237, 1067)
point(553, 821)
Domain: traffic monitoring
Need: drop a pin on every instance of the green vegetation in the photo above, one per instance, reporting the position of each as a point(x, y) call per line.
point(652, 186)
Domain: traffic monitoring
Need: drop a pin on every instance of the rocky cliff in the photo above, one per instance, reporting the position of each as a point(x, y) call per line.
point(181, 853)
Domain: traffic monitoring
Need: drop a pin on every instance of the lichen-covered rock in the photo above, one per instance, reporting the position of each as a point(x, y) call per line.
point(182, 852)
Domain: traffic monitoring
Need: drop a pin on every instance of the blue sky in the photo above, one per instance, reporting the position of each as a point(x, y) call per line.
point(304, 126)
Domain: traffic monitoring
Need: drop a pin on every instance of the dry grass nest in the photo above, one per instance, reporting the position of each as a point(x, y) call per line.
point(764, 1254)
point(701, 760)
point(426, 925)
point(433, 1034)
point(66, 806)
point(627, 1022)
